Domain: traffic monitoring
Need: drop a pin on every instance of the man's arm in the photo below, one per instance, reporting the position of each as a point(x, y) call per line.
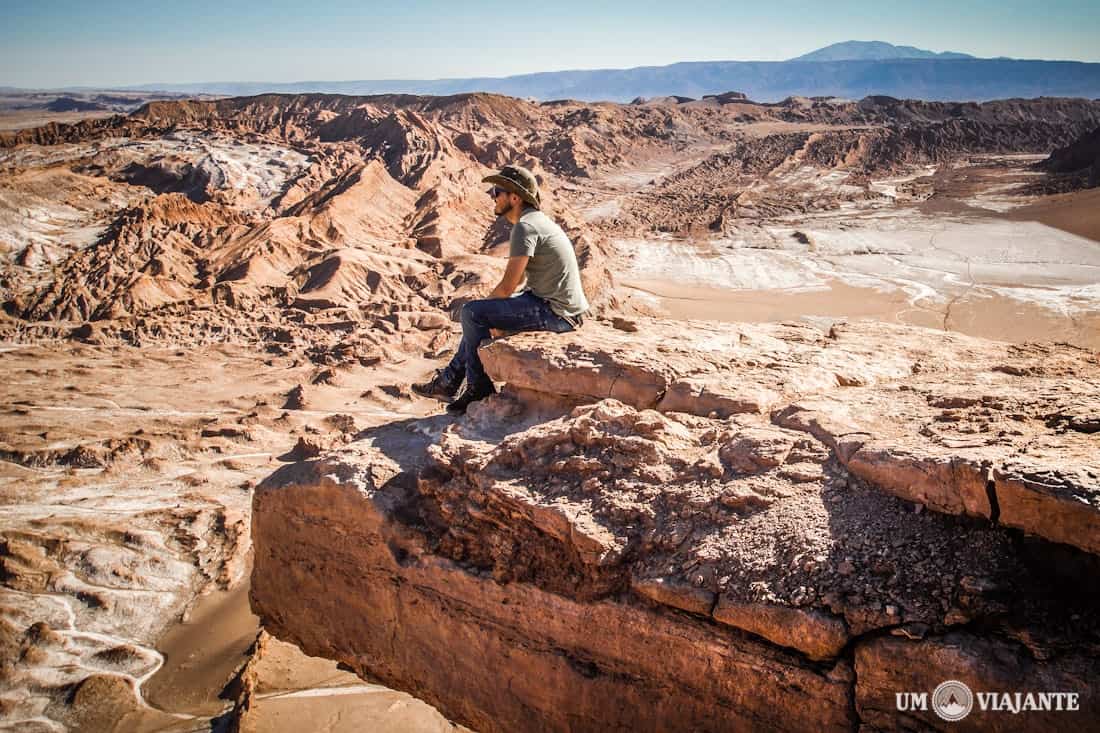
point(513, 276)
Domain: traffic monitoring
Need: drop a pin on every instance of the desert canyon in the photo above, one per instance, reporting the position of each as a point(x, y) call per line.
point(831, 433)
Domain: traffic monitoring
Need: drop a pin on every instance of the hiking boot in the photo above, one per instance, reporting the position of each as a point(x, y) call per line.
point(471, 395)
point(437, 387)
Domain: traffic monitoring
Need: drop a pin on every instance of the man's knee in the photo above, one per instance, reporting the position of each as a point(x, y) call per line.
point(466, 315)
point(471, 314)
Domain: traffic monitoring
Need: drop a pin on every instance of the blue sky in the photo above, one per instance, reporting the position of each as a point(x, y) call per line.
point(51, 44)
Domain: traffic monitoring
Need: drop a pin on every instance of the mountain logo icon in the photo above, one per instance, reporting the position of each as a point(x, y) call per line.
point(952, 700)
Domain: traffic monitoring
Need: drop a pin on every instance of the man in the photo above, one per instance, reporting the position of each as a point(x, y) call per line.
point(553, 299)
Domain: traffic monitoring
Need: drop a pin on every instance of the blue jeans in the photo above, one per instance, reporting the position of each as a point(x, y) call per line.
point(526, 312)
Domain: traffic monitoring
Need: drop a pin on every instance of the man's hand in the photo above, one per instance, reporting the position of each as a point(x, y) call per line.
point(513, 276)
point(496, 333)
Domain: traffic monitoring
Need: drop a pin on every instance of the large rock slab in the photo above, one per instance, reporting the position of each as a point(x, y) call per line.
point(1012, 443)
point(725, 368)
point(667, 562)
point(339, 573)
point(960, 425)
point(619, 566)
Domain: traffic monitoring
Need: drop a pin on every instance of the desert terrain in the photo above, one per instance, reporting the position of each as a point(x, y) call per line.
point(832, 428)
point(21, 109)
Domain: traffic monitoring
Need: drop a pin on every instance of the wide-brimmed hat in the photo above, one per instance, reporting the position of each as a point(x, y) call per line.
point(518, 180)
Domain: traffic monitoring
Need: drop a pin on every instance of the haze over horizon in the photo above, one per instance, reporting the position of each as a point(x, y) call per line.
point(117, 44)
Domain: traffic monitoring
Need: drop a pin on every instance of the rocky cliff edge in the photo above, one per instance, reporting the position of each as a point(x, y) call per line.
point(662, 526)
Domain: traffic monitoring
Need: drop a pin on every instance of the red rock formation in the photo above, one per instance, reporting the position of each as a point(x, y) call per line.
point(716, 563)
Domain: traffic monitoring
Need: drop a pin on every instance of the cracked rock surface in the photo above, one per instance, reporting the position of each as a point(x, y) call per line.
point(765, 526)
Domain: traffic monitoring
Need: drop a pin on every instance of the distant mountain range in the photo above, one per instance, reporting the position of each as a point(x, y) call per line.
point(852, 70)
point(874, 51)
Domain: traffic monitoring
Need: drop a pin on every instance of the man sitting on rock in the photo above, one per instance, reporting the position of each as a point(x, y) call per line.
point(553, 299)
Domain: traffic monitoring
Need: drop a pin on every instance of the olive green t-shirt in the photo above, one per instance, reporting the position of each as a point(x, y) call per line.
point(552, 272)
